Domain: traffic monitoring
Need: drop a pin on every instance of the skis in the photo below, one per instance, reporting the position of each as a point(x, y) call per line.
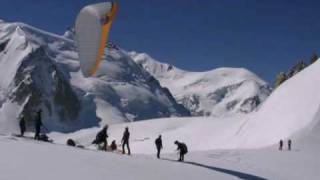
point(30, 138)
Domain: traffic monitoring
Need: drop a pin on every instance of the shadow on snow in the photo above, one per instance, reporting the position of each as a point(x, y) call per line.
point(238, 174)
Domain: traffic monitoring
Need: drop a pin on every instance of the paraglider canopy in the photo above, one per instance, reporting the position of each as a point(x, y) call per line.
point(92, 30)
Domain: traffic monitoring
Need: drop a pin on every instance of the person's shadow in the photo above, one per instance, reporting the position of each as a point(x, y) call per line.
point(238, 174)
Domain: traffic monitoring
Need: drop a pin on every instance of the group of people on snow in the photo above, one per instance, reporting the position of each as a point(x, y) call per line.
point(281, 145)
point(181, 148)
point(101, 139)
point(102, 136)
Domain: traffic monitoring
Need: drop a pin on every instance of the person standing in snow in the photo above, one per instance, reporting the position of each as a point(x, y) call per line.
point(125, 141)
point(289, 144)
point(182, 148)
point(158, 143)
point(22, 125)
point(101, 138)
point(280, 145)
point(38, 125)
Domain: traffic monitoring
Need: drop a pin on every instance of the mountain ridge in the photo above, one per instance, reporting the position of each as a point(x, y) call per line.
point(206, 93)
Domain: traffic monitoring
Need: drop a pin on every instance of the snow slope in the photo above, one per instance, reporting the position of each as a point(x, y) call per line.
point(218, 92)
point(290, 109)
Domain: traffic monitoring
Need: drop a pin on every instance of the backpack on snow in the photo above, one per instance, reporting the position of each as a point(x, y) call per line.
point(70, 142)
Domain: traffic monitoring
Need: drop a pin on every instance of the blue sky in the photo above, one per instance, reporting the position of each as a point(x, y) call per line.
point(264, 36)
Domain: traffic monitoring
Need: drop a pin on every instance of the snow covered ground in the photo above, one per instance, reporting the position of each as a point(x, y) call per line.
point(26, 159)
point(29, 160)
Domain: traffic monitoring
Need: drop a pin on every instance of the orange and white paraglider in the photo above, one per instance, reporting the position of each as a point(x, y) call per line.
point(92, 31)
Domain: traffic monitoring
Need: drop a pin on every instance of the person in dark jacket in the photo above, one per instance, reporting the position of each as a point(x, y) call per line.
point(125, 141)
point(38, 124)
point(22, 124)
point(281, 145)
point(158, 143)
point(182, 148)
point(101, 138)
point(289, 144)
point(113, 145)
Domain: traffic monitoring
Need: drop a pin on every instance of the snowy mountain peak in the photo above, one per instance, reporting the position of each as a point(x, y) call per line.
point(216, 92)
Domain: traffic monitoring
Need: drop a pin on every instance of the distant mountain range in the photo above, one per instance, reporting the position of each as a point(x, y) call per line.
point(40, 70)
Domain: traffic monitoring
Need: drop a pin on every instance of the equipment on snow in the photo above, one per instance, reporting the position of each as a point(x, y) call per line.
point(70, 142)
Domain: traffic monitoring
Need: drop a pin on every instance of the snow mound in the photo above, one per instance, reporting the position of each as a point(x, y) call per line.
point(290, 109)
point(218, 92)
